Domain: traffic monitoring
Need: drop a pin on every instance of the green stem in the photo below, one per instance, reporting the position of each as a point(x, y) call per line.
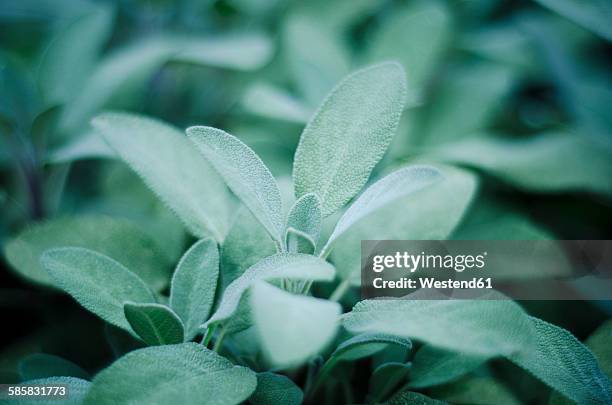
point(340, 291)
point(219, 341)
point(208, 334)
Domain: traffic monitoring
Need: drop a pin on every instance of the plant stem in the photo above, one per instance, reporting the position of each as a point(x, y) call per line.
point(208, 334)
point(219, 341)
point(340, 291)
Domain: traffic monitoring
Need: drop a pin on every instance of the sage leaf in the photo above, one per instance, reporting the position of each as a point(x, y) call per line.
point(432, 366)
point(396, 185)
point(77, 389)
point(245, 174)
point(185, 373)
point(598, 343)
point(169, 165)
point(366, 345)
point(192, 292)
point(412, 398)
point(594, 15)
point(72, 53)
point(476, 390)
point(117, 238)
point(304, 223)
point(247, 242)
point(386, 378)
point(547, 162)
point(559, 360)
point(42, 365)
point(267, 101)
point(275, 389)
point(417, 36)
point(315, 69)
point(97, 282)
point(134, 64)
point(349, 134)
point(155, 324)
point(431, 214)
point(280, 266)
point(503, 328)
point(292, 328)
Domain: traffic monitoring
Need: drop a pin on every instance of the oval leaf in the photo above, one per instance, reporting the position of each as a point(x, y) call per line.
point(292, 328)
point(349, 134)
point(155, 324)
point(194, 283)
point(42, 365)
point(245, 174)
point(97, 282)
point(279, 266)
point(117, 238)
point(169, 165)
point(396, 185)
point(186, 373)
point(304, 220)
point(275, 389)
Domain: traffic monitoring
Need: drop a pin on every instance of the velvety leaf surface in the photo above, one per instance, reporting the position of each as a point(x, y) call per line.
point(169, 164)
point(117, 238)
point(433, 366)
point(279, 266)
point(97, 282)
point(245, 174)
point(433, 213)
point(546, 162)
point(155, 324)
point(349, 134)
point(304, 217)
point(42, 365)
point(394, 186)
point(476, 391)
point(247, 242)
point(194, 284)
point(413, 398)
point(366, 345)
point(182, 374)
point(275, 389)
point(387, 377)
point(292, 328)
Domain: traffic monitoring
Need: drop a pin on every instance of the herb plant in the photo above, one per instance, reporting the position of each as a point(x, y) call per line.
point(215, 277)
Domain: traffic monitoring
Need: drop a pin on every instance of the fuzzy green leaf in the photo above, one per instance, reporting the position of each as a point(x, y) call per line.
point(412, 398)
point(72, 53)
point(155, 324)
point(548, 162)
point(77, 389)
point(194, 283)
point(349, 134)
point(502, 326)
point(594, 15)
point(476, 391)
point(134, 64)
point(292, 328)
point(416, 36)
point(247, 242)
point(388, 377)
point(245, 174)
point(392, 187)
point(432, 213)
point(186, 373)
point(167, 162)
point(279, 266)
point(432, 366)
point(275, 389)
point(97, 282)
point(315, 69)
point(42, 365)
point(562, 362)
point(304, 221)
point(366, 345)
point(117, 238)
